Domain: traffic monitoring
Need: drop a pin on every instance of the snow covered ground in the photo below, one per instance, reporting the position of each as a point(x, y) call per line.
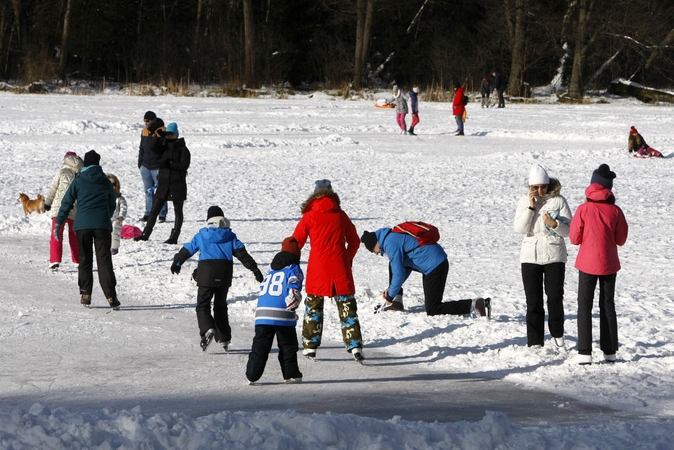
point(72, 377)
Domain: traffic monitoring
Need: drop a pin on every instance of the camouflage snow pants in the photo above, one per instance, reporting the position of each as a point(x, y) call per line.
point(347, 309)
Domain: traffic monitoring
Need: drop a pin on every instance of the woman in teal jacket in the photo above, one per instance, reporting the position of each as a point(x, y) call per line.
point(96, 203)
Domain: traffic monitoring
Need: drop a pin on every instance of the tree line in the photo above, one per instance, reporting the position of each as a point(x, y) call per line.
point(580, 44)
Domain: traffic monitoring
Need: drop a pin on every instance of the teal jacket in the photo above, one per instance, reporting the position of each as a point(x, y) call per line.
point(95, 198)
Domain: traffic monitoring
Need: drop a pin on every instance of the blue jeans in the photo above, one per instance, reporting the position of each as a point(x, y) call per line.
point(459, 123)
point(150, 180)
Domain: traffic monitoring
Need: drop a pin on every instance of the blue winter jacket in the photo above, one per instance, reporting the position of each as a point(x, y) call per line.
point(217, 247)
point(96, 200)
point(414, 102)
point(271, 305)
point(406, 255)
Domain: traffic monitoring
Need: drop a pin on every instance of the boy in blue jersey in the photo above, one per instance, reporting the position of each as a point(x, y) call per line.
point(280, 295)
point(218, 245)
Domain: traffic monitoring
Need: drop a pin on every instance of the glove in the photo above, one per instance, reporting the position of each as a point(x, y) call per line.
point(57, 229)
point(194, 275)
point(47, 207)
point(175, 268)
point(293, 299)
point(258, 275)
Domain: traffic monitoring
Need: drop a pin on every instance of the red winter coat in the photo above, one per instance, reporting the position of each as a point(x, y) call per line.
point(598, 227)
point(458, 107)
point(334, 243)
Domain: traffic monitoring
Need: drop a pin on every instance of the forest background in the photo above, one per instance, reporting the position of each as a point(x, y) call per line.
point(579, 44)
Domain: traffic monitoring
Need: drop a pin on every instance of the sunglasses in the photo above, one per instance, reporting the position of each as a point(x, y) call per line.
point(538, 187)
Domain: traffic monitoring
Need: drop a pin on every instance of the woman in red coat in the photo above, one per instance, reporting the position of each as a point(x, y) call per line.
point(334, 243)
point(598, 226)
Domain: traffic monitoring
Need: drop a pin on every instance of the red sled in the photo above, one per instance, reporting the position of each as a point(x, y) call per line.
point(647, 152)
point(425, 233)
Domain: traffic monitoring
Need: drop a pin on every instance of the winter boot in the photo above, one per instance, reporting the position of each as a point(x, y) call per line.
point(86, 300)
point(145, 236)
point(411, 131)
point(114, 303)
point(173, 239)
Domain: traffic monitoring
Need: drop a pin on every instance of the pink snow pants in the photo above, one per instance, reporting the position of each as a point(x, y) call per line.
point(400, 118)
point(56, 247)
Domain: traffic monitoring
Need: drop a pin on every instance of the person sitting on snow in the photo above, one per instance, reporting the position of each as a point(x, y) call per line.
point(637, 145)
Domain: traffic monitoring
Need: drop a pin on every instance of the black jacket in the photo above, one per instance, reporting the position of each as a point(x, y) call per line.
point(146, 157)
point(173, 165)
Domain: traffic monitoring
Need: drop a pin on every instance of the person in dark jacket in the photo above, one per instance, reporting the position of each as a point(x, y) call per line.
point(485, 91)
point(149, 161)
point(414, 109)
point(171, 180)
point(280, 295)
point(217, 245)
point(500, 86)
point(96, 202)
point(406, 256)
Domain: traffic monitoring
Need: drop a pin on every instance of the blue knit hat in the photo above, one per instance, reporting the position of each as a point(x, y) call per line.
point(172, 128)
point(604, 176)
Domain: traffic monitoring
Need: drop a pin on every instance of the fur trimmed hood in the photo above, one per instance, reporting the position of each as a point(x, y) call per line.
point(554, 187)
point(306, 206)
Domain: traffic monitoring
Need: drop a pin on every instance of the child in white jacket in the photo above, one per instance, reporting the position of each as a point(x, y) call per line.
point(119, 215)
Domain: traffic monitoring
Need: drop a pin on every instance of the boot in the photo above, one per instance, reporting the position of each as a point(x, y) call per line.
point(173, 239)
point(145, 236)
point(411, 131)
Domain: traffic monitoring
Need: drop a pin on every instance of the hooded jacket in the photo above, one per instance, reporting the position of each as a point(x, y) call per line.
point(540, 244)
point(95, 197)
point(400, 101)
point(598, 227)
point(414, 102)
point(59, 185)
point(172, 176)
point(217, 247)
point(334, 244)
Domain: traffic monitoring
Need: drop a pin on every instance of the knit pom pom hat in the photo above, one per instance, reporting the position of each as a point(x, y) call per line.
point(604, 176)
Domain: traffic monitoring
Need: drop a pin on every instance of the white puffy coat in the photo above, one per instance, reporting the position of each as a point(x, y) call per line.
point(540, 245)
point(60, 183)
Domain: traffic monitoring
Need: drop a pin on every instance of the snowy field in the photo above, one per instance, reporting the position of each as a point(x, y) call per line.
point(64, 369)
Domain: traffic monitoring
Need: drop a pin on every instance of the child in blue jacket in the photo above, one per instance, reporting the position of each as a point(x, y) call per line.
point(280, 295)
point(218, 245)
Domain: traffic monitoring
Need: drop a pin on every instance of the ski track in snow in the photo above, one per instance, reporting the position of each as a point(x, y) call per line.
point(258, 160)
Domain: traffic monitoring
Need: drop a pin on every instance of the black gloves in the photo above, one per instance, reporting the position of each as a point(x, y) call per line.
point(47, 207)
point(194, 275)
point(175, 267)
point(57, 228)
point(258, 275)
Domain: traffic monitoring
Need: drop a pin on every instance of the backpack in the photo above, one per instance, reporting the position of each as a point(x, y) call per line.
point(465, 100)
point(425, 233)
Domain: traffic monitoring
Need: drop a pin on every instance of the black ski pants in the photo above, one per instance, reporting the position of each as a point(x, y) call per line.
point(101, 240)
point(286, 339)
point(536, 278)
point(434, 289)
point(608, 323)
point(219, 320)
point(156, 208)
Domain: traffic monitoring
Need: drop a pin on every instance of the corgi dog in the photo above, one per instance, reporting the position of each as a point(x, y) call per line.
point(29, 205)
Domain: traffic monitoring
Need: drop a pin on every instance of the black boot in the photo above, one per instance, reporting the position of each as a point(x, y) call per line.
point(173, 239)
point(411, 131)
point(145, 236)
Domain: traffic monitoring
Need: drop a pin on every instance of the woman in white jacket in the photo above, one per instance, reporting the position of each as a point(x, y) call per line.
point(543, 216)
point(72, 164)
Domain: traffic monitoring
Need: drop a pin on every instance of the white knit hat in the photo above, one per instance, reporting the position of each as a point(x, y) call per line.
point(538, 175)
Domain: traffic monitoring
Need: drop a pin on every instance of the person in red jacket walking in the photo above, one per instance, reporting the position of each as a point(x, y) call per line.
point(459, 107)
point(334, 243)
point(599, 227)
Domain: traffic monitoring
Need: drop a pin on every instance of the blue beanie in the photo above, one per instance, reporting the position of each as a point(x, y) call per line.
point(604, 176)
point(172, 128)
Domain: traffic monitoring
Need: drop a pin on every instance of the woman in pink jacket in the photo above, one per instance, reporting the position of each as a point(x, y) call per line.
point(598, 226)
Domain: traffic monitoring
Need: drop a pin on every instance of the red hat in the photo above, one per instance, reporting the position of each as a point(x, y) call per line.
point(290, 245)
point(633, 130)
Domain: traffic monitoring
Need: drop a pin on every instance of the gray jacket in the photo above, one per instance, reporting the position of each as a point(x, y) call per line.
point(400, 102)
point(59, 185)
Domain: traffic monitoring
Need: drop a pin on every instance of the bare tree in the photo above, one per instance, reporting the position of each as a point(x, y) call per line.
point(64, 42)
point(582, 42)
point(249, 38)
point(364, 15)
point(515, 19)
